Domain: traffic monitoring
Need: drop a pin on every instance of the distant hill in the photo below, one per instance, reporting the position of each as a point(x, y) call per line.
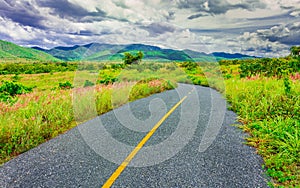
point(100, 52)
point(11, 52)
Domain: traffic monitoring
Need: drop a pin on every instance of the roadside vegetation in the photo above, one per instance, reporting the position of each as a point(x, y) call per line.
point(265, 93)
point(37, 100)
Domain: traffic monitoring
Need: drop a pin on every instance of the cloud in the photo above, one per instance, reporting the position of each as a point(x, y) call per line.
point(256, 44)
point(155, 29)
point(295, 13)
point(196, 16)
point(65, 9)
point(15, 31)
point(251, 26)
point(288, 34)
point(21, 12)
point(215, 7)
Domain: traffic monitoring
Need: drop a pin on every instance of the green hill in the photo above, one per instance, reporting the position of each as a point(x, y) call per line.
point(100, 52)
point(12, 52)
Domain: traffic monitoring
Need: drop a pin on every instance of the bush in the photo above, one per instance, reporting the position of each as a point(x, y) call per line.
point(269, 67)
point(133, 59)
point(65, 85)
point(117, 66)
point(36, 68)
point(9, 90)
point(189, 65)
point(108, 76)
point(88, 83)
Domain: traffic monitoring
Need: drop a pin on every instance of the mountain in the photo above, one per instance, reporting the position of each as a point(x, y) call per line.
point(100, 52)
point(229, 56)
point(11, 52)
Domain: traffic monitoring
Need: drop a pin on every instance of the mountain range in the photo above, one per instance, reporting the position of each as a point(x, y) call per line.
point(103, 52)
point(100, 52)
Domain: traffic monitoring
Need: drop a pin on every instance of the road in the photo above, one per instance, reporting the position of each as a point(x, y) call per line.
point(195, 146)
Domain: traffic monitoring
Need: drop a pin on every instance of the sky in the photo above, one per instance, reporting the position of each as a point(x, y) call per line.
point(254, 27)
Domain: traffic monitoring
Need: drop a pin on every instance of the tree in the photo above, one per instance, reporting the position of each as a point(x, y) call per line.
point(295, 50)
point(130, 59)
point(140, 56)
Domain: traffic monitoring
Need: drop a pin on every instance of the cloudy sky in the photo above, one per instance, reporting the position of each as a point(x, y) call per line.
point(254, 27)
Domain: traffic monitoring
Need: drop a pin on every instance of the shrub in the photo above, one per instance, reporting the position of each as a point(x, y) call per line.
point(88, 83)
point(65, 85)
point(108, 76)
point(16, 77)
point(8, 90)
point(133, 59)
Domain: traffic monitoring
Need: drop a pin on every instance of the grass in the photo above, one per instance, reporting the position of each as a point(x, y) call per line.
point(42, 82)
point(35, 118)
point(49, 110)
point(268, 107)
point(269, 110)
point(10, 51)
point(272, 117)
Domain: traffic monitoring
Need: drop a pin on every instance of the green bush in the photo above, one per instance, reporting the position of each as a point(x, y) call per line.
point(117, 66)
point(36, 68)
point(88, 83)
point(108, 76)
point(269, 67)
point(8, 90)
point(133, 59)
point(189, 65)
point(65, 85)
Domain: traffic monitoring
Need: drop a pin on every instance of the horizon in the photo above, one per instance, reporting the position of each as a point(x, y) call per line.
point(261, 28)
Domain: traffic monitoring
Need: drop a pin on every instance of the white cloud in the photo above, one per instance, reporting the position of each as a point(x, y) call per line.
point(254, 44)
point(16, 31)
point(235, 24)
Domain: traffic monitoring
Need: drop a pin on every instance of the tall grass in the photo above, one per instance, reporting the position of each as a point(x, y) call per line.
point(269, 108)
point(272, 117)
point(35, 118)
point(49, 111)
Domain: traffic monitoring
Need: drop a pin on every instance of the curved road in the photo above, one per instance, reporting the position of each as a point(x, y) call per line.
point(195, 146)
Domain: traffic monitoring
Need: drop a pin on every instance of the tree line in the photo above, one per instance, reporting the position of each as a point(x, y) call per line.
point(268, 66)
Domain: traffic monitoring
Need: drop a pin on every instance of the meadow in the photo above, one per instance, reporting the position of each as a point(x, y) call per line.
point(45, 105)
point(265, 93)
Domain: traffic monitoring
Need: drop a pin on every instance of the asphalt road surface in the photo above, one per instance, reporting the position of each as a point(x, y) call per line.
point(195, 146)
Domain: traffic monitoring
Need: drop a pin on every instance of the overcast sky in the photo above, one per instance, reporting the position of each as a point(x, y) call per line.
point(254, 27)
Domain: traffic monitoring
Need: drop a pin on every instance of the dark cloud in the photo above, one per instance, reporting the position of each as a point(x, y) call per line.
point(23, 12)
point(91, 33)
point(267, 49)
point(251, 49)
point(262, 50)
point(170, 16)
point(60, 22)
point(286, 34)
point(238, 30)
point(287, 7)
point(196, 16)
point(215, 7)
point(29, 14)
point(158, 28)
point(65, 9)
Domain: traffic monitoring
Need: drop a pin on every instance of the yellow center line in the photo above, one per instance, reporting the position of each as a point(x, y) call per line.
point(124, 164)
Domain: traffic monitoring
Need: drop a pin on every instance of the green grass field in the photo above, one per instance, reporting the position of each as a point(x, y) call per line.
point(31, 119)
point(271, 115)
point(268, 108)
point(267, 105)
